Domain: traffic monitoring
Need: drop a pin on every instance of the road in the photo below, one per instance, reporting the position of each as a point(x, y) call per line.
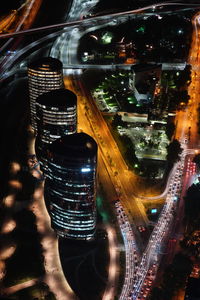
point(131, 250)
point(7, 21)
point(61, 49)
point(20, 19)
point(194, 88)
point(124, 181)
point(179, 179)
point(13, 289)
point(151, 8)
point(105, 180)
point(152, 254)
point(77, 24)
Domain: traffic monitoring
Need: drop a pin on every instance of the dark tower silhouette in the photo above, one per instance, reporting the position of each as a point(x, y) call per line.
point(70, 188)
point(44, 74)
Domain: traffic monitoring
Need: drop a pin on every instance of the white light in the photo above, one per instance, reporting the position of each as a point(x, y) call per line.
point(84, 170)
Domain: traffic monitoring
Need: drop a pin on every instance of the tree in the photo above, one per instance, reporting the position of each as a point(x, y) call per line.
point(176, 274)
point(156, 294)
point(149, 171)
point(129, 150)
point(183, 96)
point(192, 206)
point(117, 120)
point(174, 151)
point(184, 77)
point(191, 244)
point(170, 130)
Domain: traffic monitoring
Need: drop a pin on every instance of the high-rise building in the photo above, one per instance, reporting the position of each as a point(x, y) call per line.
point(56, 115)
point(70, 188)
point(44, 74)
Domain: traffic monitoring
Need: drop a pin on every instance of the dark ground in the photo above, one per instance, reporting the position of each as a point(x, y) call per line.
point(84, 264)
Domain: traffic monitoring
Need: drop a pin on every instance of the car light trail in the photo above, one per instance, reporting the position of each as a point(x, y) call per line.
point(131, 251)
point(112, 271)
point(152, 256)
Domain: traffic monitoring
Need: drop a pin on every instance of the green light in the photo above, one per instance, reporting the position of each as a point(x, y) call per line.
point(102, 212)
point(131, 99)
point(141, 29)
point(107, 38)
point(196, 181)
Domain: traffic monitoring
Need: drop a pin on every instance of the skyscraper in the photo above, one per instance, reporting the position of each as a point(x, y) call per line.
point(44, 74)
point(56, 115)
point(70, 188)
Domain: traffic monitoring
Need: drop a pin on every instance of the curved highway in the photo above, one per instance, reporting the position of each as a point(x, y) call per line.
point(10, 63)
point(86, 22)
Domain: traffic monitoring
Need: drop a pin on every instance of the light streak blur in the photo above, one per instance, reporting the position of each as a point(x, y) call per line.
point(8, 226)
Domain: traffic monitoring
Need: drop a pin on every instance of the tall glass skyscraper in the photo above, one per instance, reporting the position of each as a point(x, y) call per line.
point(44, 74)
point(56, 115)
point(70, 188)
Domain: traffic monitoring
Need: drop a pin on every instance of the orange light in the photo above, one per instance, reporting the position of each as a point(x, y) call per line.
point(15, 167)
point(7, 252)
point(15, 184)
point(9, 201)
point(8, 226)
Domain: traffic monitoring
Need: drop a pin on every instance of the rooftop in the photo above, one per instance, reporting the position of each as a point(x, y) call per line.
point(75, 145)
point(46, 64)
point(58, 97)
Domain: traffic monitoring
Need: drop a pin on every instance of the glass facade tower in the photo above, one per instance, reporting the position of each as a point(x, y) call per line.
point(56, 115)
point(44, 74)
point(70, 188)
